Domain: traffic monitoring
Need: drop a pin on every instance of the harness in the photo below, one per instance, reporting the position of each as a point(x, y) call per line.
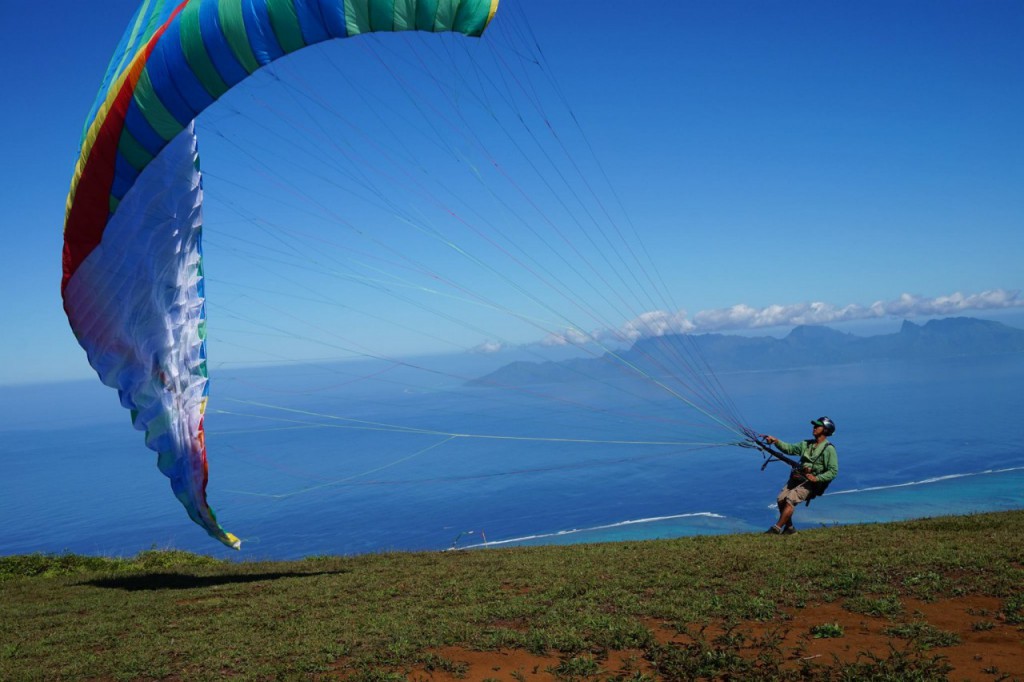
point(816, 488)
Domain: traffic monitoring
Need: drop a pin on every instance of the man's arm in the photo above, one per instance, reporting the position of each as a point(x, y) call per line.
point(783, 446)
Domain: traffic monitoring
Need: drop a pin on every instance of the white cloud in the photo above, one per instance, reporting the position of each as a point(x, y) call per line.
point(570, 336)
point(654, 323)
point(645, 325)
point(955, 303)
point(488, 347)
point(742, 316)
point(906, 305)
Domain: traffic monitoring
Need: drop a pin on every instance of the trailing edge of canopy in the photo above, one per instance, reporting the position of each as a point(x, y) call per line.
point(177, 59)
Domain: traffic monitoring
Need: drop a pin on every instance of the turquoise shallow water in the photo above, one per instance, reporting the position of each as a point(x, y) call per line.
point(984, 491)
point(914, 440)
point(989, 490)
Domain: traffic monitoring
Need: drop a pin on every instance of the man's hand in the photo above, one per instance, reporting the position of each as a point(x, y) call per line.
point(771, 440)
point(811, 477)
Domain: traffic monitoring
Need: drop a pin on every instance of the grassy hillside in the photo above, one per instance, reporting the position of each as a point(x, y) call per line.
point(741, 607)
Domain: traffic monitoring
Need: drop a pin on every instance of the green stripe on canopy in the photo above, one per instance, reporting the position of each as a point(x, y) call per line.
point(232, 24)
point(162, 121)
point(426, 14)
point(382, 15)
point(133, 152)
point(405, 15)
point(286, 26)
point(195, 52)
point(472, 15)
point(444, 20)
point(357, 17)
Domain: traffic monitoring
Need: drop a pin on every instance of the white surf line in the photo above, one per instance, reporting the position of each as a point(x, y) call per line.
point(925, 481)
point(561, 533)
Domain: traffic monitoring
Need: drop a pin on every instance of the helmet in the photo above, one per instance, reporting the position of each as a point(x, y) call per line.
point(825, 423)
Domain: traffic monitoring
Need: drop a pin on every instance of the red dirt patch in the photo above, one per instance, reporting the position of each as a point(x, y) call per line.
point(999, 648)
point(992, 650)
point(518, 665)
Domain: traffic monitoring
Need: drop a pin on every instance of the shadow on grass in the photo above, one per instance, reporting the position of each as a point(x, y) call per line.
point(184, 581)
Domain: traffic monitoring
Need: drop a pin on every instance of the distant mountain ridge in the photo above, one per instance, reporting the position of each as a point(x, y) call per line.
point(803, 346)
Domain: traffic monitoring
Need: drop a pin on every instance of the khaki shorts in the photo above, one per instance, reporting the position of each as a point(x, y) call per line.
point(793, 495)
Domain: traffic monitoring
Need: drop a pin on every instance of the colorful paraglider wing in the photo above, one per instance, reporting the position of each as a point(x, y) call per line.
point(133, 270)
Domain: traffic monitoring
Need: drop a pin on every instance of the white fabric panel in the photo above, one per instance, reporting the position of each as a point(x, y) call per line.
point(135, 305)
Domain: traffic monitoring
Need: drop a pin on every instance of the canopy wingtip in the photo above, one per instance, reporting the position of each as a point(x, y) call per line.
point(231, 541)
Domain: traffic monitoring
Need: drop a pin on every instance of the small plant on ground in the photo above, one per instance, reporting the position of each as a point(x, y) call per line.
point(923, 634)
point(925, 585)
point(580, 667)
point(759, 608)
point(997, 676)
point(1014, 609)
point(827, 630)
point(900, 665)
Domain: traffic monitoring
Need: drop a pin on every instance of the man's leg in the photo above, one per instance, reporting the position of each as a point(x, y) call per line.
point(787, 500)
point(786, 510)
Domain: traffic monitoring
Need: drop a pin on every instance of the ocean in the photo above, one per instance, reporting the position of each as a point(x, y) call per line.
point(307, 462)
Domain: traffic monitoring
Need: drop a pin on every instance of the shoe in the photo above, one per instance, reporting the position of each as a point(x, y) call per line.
point(789, 530)
point(774, 530)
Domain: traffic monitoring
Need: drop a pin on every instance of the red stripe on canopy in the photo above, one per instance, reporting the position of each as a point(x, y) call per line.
point(90, 209)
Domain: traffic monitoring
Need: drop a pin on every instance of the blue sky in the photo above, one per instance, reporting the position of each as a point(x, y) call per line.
point(771, 155)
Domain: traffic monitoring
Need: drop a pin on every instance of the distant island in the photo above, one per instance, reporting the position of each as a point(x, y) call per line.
point(804, 346)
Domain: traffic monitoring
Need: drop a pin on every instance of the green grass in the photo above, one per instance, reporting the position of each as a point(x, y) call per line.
point(377, 617)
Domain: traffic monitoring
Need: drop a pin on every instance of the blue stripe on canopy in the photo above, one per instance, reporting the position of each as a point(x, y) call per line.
point(333, 13)
point(311, 21)
point(171, 57)
point(125, 175)
point(167, 93)
point(260, 33)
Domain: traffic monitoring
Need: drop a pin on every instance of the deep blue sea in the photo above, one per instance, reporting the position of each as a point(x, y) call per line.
point(324, 470)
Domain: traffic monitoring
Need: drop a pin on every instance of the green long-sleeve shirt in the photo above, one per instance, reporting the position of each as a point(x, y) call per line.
point(823, 460)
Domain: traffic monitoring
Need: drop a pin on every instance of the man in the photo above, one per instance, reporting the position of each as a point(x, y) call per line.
point(819, 465)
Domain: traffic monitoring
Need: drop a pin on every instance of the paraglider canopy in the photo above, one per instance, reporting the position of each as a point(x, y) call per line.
point(132, 261)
